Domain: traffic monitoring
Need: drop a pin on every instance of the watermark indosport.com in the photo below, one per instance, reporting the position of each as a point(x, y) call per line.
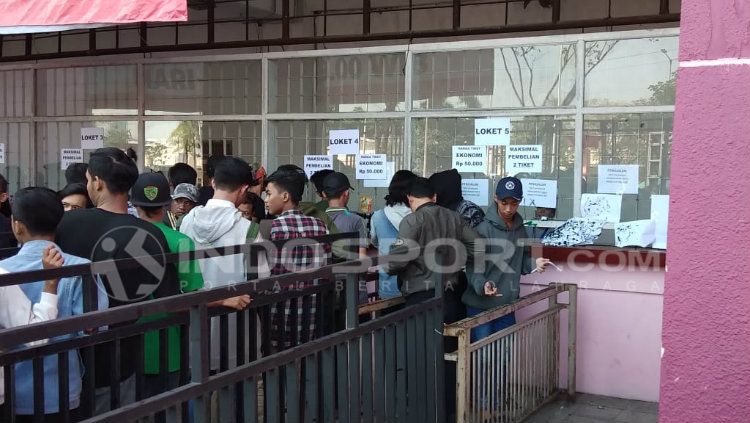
point(440, 256)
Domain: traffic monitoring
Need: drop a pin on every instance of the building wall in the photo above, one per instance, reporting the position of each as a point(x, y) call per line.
point(436, 19)
point(618, 328)
point(706, 371)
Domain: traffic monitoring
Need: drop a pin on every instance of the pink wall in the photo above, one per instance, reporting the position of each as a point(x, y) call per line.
point(619, 329)
point(706, 332)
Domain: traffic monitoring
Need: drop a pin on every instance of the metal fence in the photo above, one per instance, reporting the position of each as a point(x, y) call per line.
point(340, 371)
point(510, 374)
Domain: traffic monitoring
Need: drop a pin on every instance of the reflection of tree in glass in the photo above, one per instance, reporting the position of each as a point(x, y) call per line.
point(184, 138)
point(522, 79)
point(117, 135)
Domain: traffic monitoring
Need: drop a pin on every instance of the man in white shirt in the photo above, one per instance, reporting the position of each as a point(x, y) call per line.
point(17, 310)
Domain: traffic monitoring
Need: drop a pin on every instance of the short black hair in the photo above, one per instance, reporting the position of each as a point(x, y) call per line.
point(182, 173)
point(318, 177)
point(76, 173)
point(291, 179)
point(399, 187)
point(115, 168)
point(421, 188)
point(76, 189)
point(151, 210)
point(3, 184)
point(231, 173)
point(40, 209)
point(259, 206)
point(211, 165)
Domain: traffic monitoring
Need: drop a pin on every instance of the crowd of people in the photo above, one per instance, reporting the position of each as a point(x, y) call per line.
point(109, 211)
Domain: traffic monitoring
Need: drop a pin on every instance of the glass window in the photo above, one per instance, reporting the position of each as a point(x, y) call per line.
point(523, 76)
point(294, 139)
point(433, 139)
point(631, 72)
point(85, 91)
point(17, 89)
point(356, 83)
point(631, 139)
point(193, 142)
point(18, 154)
point(54, 136)
point(210, 88)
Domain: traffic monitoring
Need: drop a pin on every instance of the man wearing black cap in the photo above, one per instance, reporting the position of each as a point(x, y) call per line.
point(499, 283)
point(336, 189)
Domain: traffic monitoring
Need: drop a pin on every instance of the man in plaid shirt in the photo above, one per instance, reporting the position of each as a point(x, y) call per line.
point(283, 194)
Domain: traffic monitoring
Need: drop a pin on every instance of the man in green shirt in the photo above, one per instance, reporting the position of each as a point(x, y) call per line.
point(150, 194)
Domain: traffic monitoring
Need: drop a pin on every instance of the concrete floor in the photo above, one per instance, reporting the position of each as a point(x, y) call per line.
point(597, 409)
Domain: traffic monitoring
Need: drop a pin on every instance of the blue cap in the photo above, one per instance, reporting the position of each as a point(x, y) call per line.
point(509, 187)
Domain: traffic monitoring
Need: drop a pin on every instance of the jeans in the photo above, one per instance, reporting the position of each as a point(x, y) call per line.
point(487, 329)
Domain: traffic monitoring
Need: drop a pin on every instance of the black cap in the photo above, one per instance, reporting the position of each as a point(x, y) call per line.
point(335, 183)
point(150, 190)
point(509, 187)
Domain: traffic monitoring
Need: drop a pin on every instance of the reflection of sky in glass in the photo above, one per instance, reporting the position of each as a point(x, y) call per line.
point(625, 74)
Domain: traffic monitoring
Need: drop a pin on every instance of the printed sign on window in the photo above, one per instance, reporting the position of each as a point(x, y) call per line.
point(523, 158)
point(69, 156)
point(92, 138)
point(469, 158)
point(492, 131)
point(343, 141)
point(371, 166)
point(314, 163)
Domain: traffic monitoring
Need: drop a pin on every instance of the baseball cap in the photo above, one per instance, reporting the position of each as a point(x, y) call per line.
point(335, 184)
point(150, 189)
point(509, 187)
point(186, 190)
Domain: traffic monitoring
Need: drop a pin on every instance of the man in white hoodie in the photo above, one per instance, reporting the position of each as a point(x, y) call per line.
point(384, 226)
point(219, 224)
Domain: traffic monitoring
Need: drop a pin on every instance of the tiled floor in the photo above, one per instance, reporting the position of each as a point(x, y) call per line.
point(597, 409)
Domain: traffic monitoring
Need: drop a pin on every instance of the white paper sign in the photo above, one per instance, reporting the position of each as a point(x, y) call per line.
point(2, 152)
point(371, 166)
point(638, 233)
point(69, 156)
point(469, 158)
point(523, 158)
point(476, 191)
point(92, 138)
point(492, 131)
point(390, 169)
point(314, 163)
point(343, 141)
point(539, 193)
point(660, 216)
point(604, 207)
point(618, 179)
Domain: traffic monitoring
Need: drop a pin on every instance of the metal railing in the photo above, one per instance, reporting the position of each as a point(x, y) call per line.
point(341, 372)
point(511, 373)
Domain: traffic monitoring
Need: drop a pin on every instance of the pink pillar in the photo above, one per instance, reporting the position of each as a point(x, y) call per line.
point(705, 373)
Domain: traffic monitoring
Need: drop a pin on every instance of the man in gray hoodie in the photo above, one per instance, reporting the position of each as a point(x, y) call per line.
point(504, 261)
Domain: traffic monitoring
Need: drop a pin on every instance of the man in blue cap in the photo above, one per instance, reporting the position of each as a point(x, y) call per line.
point(499, 282)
